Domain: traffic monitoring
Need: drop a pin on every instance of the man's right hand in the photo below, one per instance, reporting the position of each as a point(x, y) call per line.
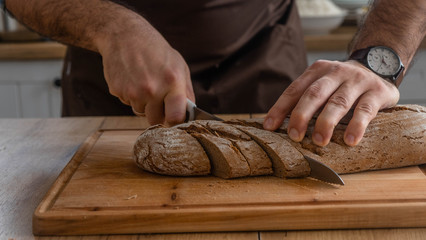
point(146, 73)
point(140, 67)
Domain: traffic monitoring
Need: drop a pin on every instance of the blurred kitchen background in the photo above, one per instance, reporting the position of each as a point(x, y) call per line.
point(30, 66)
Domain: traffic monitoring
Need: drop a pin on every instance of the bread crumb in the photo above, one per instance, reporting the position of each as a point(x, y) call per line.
point(132, 197)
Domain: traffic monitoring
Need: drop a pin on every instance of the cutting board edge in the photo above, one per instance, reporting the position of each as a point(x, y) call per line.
point(67, 172)
point(364, 215)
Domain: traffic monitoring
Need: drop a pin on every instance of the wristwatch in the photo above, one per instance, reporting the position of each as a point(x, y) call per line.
point(381, 60)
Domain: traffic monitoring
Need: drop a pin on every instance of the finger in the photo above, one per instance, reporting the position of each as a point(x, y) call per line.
point(154, 111)
point(174, 108)
point(336, 108)
point(126, 102)
point(313, 99)
point(138, 106)
point(190, 94)
point(138, 109)
point(189, 88)
point(364, 112)
point(291, 95)
point(366, 109)
point(282, 107)
point(137, 113)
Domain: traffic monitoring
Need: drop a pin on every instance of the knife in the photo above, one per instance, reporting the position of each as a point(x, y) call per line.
point(195, 113)
point(323, 172)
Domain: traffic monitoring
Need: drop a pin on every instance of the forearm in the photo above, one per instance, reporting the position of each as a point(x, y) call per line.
point(82, 23)
point(396, 24)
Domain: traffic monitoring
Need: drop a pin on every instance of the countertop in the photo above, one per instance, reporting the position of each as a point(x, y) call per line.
point(337, 40)
point(34, 151)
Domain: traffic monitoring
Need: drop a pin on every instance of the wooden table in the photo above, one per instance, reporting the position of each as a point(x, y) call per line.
point(34, 151)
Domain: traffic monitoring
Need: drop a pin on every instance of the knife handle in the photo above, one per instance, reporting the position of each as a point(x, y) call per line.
point(190, 115)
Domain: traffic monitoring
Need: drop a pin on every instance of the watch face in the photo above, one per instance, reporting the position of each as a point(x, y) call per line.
point(383, 60)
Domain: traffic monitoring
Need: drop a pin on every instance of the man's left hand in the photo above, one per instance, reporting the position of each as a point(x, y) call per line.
point(332, 88)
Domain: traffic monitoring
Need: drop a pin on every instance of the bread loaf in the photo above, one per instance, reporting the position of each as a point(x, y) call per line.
point(395, 138)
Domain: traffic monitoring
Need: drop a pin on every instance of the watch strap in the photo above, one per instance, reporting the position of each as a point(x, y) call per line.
point(360, 54)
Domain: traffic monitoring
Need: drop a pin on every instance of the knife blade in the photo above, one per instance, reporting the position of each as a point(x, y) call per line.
point(322, 172)
point(195, 113)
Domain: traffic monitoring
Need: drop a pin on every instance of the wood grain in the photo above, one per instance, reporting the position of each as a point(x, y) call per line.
point(364, 234)
point(181, 236)
point(32, 51)
point(32, 154)
point(111, 123)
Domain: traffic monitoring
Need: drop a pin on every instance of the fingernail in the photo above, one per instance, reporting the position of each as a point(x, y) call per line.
point(318, 139)
point(294, 134)
point(268, 124)
point(350, 140)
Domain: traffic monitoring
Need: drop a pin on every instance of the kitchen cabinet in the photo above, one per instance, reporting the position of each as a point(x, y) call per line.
point(28, 90)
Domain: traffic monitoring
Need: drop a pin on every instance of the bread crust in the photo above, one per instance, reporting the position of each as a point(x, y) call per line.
point(159, 149)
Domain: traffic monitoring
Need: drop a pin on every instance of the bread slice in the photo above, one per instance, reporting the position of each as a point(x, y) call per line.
point(171, 152)
point(287, 161)
point(257, 159)
point(225, 158)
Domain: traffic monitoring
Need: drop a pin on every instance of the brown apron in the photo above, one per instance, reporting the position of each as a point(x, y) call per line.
point(242, 55)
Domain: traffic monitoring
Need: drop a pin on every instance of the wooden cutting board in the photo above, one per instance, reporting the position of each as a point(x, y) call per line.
point(101, 191)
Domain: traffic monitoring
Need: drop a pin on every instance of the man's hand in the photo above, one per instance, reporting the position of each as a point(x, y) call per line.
point(146, 73)
point(140, 67)
point(332, 88)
